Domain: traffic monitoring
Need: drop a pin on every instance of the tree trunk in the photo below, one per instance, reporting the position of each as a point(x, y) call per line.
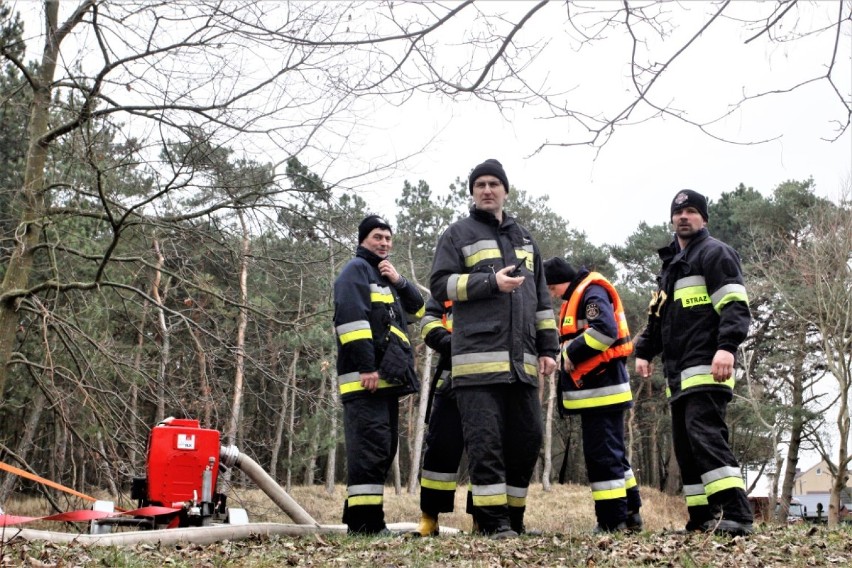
point(314, 441)
point(160, 393)
point(291, 422)
point(548, 432)
point(240, 347)
point(30, 199)
point(25, 443)
point(420, 427)
point(331, 462)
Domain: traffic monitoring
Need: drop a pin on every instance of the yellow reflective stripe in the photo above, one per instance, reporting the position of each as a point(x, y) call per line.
point(546, 324)
point(606, 494)
point(457, 287)
point(381, 298)
point(419, 313)
point(425, 329)
point(723, 484)
point(355, 335)
point(692, 296)
point(477, 257)
point(531, 370)
point(516, 501)
point(479, 368)
point(399, 333)
point(727, 299)
point(579, 403)
point(355, 386)
point(593, 342)
point(630, 482)
point(702, 380)
point(364, 500)
point(696, 500)
point(490, 500)
point(438, 485)
point(527, 256)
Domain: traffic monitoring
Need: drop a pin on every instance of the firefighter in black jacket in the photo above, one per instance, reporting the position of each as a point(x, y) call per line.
point(375, 366)
point(698, 317)
point(594, 383)
point(504, 337)
point(444, 444)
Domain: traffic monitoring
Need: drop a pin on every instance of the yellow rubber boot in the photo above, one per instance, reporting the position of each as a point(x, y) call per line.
point(428, 525)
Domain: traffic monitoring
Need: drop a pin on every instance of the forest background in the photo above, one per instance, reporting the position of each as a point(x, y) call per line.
point(152, 266)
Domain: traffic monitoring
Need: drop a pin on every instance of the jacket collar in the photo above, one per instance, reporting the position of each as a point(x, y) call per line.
point(673, 249)
point(490, 219)
point(373, 259)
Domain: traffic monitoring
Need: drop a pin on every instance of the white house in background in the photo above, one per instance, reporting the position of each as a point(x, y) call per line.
point(817, 479)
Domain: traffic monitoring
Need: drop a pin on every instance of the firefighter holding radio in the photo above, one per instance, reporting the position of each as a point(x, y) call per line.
point(594, 383)
point(375, 366)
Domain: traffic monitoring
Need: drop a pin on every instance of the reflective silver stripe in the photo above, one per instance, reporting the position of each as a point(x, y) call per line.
point(494, 489)
point(690, 490)
point(607, 485)
point(696, 370)
point(366, 489)
point(437, 476)
point(354, 377)
point(690, 281)
point(352, 326)
point(545, 315)
point(595, 393)
point(738, 289)
point(479, 246)
point(530, 359)
point(452, 286)
point(513, 491)
point(487, 357)
point(720, 473)
point(628, 474)
point(383, 290)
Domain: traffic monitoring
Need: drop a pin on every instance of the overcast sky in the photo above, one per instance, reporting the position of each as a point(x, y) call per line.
point(636, 174)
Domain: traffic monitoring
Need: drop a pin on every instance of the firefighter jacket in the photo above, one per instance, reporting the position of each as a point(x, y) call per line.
point(367, 307)
point(594, 336)
point(700, 306)
point(435, 329)
point(497, 337)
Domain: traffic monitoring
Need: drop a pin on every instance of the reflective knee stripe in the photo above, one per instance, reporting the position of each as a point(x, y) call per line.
point(629, 479)
point(351, 382)
point(591, 398)
point(365, 494)
point(516, 496)
point(727, 294)
point(439, 481)
point(605, 490)
point(726, 477)
point(489, 495)
point(700, 376)
point(353, 331)
point(695, 495)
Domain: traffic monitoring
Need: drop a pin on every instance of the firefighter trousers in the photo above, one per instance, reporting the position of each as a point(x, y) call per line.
point(371, 429)
point(502, 431)
point(712, 482)
point(444, 448)
point(614, 488)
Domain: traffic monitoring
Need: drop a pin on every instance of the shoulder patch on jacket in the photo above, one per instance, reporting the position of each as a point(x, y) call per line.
point(592, 310)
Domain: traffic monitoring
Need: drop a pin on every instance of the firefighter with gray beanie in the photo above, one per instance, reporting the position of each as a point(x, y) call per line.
point(697, 318)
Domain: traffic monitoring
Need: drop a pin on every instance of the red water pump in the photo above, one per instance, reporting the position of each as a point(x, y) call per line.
point(183, 467)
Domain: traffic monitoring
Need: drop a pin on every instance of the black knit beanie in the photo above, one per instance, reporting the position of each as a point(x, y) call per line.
point(558, 271)
point(488, 168)
point(369, 223)
point(689, 198)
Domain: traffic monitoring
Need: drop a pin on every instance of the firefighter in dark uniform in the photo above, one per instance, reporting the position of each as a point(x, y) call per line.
point(594, 383)
point(444, 444)
point(375, 366)
point(504, 337)
point(697, 318)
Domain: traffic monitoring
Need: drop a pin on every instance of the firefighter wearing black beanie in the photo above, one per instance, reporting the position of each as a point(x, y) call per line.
point(488, 168)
